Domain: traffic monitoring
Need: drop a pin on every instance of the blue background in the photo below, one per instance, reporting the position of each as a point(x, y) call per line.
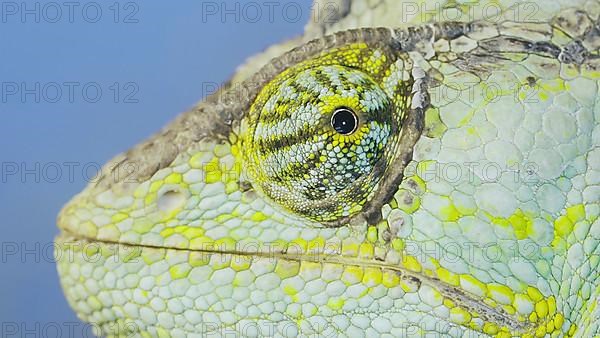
point(167, 54)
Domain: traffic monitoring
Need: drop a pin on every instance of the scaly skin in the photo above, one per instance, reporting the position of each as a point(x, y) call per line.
point(472, 208)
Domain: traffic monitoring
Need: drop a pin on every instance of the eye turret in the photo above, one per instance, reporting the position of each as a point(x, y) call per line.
point(321, 134)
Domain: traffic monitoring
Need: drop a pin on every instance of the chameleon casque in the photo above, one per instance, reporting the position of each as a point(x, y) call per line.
point(407, 169)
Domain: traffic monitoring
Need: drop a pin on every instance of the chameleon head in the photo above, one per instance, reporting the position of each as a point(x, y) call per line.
point(302, 200)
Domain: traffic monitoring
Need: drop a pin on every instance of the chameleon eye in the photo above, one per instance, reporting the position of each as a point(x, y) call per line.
point(321, 135)
point(344, 121)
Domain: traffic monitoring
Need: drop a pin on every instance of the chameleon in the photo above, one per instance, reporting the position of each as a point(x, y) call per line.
point(404, 169)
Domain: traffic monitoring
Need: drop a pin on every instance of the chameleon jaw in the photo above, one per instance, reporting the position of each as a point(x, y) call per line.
point(81, 254)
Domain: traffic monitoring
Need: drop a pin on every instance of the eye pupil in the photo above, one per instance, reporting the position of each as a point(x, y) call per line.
point(344, 121)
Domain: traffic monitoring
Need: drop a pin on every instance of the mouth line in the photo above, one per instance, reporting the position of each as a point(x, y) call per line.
point(460, 297)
